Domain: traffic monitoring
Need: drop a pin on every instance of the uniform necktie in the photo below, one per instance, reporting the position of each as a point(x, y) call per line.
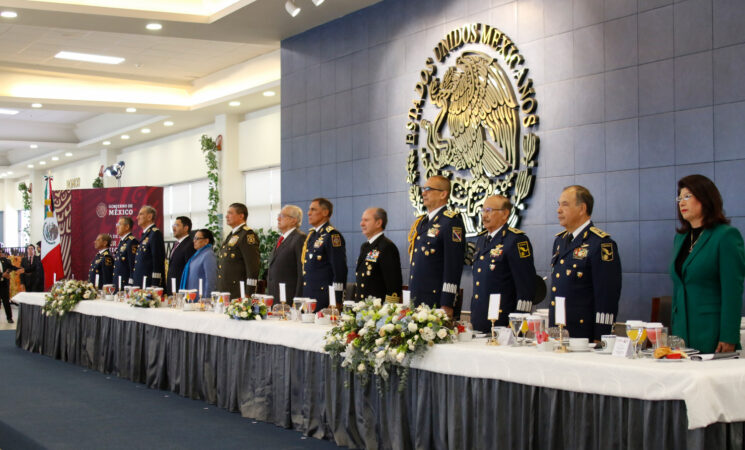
point(281, 238)
point(569, 239)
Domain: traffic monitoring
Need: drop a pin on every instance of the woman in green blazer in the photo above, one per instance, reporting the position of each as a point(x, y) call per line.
point(708, 270)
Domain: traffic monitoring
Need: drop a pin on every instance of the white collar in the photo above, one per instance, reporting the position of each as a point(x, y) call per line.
point(147, 228)
point(579, 230)
point(287, 233)
point(433, 213)
point(491, 235)
point(372, 239)
point(318, 228)
point(101, 251)
point(178, 241)
point(237, 228)
point(125, 236)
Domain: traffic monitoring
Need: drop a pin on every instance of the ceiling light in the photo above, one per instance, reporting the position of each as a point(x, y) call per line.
point(292, 8)
point(269, 93)
point(317, 2)
point(9, 112)
point(87, 57)
point(42, 163)
point(234, 103)
point(55, 158)
point(131, 110)
point(145, 130)
point(167, 123)
point(9, 14)
point(68, 154)
point(36, 105)
point(34, 146)
point(125, 136)
point(157, 26)
point(30, 166)
point(106, 142)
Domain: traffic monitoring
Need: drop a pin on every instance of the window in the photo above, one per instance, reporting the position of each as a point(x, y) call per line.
point(263, 197)
point(185, 199)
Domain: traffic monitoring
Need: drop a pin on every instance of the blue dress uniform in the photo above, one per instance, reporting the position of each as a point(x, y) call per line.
point(502, 264)
point(124, 260)
point(103, 266)
point(587, 273)
point(436, 248)
point(324, 263)
point(150, 258)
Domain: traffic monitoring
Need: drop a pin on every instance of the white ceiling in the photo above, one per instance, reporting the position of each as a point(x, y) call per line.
point(186, 72)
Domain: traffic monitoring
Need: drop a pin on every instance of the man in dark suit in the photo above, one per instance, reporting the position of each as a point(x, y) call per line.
point(33, 278)
point(124, 256)
point(324, 256)
point(379, 264)
point(586, 268)
point(437, 246)
point(239, 255)
point(5, 268)
point(286, 264)
point(502, 264)
point(182, 250)
point(102, 264)
point(150, 258)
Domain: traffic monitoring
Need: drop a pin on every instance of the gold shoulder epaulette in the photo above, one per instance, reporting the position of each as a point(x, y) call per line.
point(329, 229)
point(560, 233)
point(599, 232)
point(483, 232)
point(155, 229)
point(450, 213)
point(246, 228)
point(516, 231)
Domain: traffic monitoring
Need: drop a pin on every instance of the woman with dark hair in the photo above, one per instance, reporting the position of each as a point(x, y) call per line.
point(202, 265)
point(708, 270)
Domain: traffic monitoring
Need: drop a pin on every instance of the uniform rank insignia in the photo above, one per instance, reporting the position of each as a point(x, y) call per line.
point(433, 231)
point(318, 243)
point(524, 249)
point(457, 234)
point(372, 257)
point(336, 240)
point(606, 251)
point(496, 252)
point(492, 266)
point(450, 213)
point(580, 253)
point(145, 241)
point(251, 239)
point(233, 241)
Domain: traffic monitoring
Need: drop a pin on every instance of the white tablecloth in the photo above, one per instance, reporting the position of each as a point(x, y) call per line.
point(713, 391)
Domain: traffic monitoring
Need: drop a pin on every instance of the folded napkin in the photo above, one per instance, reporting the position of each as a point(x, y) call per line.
point(712, 356)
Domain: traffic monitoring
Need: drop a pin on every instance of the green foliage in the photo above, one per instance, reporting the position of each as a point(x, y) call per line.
point(98, 182)
point(26, 193)
point(209, 148)
point(267, 242)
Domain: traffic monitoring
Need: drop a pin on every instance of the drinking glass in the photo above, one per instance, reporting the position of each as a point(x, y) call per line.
point(516, 323)
point(657, 335)
point(535, 325)
point(634, 331)
point(310, 305)
point(297, 303)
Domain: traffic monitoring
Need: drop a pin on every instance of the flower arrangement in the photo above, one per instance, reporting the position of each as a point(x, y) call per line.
point(144, 299)
point(64, 295)
point(245, 309)
point(374, 336)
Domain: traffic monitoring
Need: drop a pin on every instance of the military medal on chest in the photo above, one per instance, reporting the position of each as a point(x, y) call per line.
point(581, 252)
point(372, 256)
point(434, 230)
point(497, 251)
point(318, 243)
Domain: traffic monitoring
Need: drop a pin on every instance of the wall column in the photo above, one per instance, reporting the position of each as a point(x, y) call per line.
point(232, 188)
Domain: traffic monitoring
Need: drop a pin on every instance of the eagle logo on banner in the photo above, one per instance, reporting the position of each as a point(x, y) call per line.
point(475, 134)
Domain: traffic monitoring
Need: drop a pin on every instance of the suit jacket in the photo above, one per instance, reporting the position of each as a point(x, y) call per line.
point(378, 270)
point(150, 258)
point(239, 261)
point(502, 265)
point(587, 273)
point(324, 264)
point(286, 266)
point(708, 297)
point(124, 261)
point(33, 277)
point(437, 251)
point(177, 261)
point(103, 266)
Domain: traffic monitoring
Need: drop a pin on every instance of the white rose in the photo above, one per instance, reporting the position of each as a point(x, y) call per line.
point(431, 318)
point(412, 347)
point(379, 341)
point(380, 354)
point(376, 302)
point(363, 332)
point(413, 327)
point(392, 353)
point(422, 316)
point(62, 313)
point(442, 333)
point(258, 317)
point(384, 310)
point(361, 367)
point(244, 314)
point(400, 356)
point(369, 323)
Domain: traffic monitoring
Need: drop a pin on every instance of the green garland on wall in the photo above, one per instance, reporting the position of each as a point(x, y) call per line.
point(209, 148)
point(26, 193)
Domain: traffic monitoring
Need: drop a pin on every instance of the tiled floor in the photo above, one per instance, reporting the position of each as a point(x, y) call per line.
point(4, 325)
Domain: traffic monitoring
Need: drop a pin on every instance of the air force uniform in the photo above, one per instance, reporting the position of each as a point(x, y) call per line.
point(239, 261)
point(502, 264)
point(103, 266)
point(586, 271)
point(378, 271)
point(150, 258)
point(437, 247)
point(124, 260)
point(324, 263)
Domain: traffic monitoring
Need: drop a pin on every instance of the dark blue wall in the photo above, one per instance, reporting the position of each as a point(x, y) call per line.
point(632, 96)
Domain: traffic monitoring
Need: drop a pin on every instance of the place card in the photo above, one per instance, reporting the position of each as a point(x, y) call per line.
point(243, 289)
point(494, 301)
point(505, 336)
point(332, 295)
point(96, 281)
point(622, 347)
point(407, 298)
point(560, 314)
point(282, 293)
point(173, 284)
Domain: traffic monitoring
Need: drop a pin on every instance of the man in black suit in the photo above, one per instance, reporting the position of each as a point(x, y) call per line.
point(150, 258)
point(286, 264)
point(5, 268)
point(182, 250)
point(379, 264)
point(33, 278)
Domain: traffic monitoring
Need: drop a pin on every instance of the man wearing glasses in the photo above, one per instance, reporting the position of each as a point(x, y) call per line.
point(437, 244)
point(286, 264)
point(502, 264)
point(586, 268)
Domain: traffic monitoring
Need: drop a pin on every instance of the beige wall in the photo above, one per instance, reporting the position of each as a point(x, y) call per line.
point(259, 137)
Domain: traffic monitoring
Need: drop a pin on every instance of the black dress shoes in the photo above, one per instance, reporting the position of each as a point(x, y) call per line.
point(10, 321)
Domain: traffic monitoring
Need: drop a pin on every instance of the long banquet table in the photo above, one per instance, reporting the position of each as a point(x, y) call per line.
point(462, 396)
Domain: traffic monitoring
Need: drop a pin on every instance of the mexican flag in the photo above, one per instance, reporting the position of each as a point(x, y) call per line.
point(51, 250)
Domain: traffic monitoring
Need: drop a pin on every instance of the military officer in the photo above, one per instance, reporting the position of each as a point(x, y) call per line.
point(502, 264)
point(324, 256)
point(437, 246)
point(103, 264)
point(151, 253)
point(239, 255)
point(586, 268)
point(378, 265)
point(124, 256)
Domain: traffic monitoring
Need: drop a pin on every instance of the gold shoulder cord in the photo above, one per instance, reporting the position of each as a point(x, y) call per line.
point(412, 235)
point(305, 246)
